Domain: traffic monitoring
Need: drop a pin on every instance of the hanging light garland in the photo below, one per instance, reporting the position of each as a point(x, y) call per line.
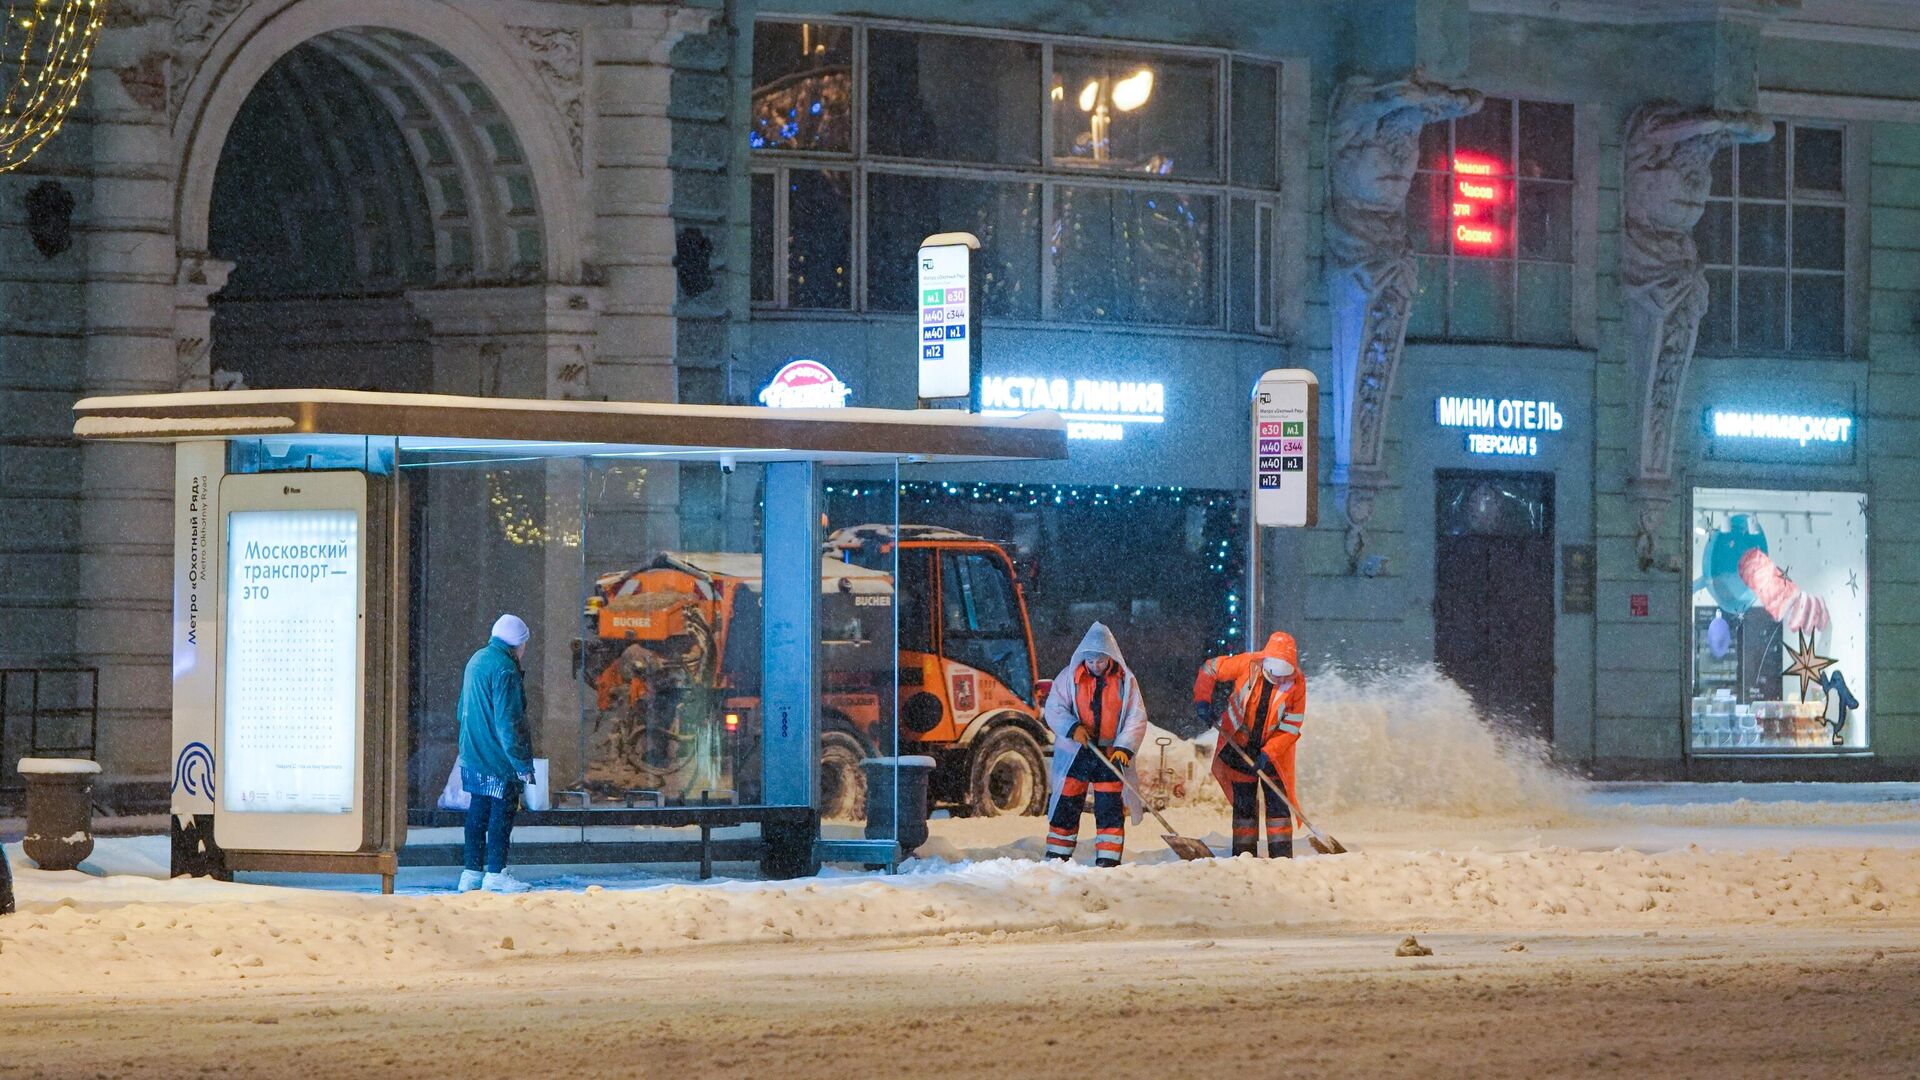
point(1223, 548)
point(44, 48)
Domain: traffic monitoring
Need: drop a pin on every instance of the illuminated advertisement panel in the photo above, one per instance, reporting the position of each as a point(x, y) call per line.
point(292, 690)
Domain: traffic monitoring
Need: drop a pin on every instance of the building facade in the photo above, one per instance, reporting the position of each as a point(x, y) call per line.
point(1609, 302)
point(1612, 303)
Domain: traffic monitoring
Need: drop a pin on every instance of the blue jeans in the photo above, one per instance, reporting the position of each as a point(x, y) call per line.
point(490, 828)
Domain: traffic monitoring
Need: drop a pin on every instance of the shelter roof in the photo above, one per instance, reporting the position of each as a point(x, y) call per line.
point(435, 423)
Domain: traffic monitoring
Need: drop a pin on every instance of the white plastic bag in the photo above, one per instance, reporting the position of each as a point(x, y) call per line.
point(535, 796)
point(454, 796)
point(538, 795)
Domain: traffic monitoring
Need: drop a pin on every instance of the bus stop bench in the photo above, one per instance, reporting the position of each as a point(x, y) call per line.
point(783, 848)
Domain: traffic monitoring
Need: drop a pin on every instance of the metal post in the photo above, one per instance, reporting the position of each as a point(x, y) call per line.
point(1253, 604)
point(790, 599)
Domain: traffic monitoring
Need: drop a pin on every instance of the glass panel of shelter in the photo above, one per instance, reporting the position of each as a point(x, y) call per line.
point(864, 603)
point(669, 640)
point(491, 531)
point(641, 578)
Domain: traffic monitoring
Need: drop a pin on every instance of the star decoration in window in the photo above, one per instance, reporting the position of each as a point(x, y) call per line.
point(1805, 664)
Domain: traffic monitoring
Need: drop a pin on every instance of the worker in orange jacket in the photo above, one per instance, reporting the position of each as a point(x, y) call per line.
point(1258, 732)
point(1094, 711)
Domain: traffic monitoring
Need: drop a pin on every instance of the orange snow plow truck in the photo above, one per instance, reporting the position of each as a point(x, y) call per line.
point(672, 653)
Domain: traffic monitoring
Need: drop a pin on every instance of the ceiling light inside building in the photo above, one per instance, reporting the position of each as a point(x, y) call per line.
point(1133, 91)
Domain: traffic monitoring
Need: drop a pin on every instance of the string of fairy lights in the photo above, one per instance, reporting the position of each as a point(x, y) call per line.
point(45, 46)
point(1223, 549)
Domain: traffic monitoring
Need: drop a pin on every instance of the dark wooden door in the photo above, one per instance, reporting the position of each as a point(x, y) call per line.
point(1493, 593)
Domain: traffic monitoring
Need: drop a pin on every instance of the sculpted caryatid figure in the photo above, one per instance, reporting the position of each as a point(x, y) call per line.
point(1372, 153)
point(1669, 160)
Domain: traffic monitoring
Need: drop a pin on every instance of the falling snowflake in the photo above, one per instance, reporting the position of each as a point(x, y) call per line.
point(1853, 582)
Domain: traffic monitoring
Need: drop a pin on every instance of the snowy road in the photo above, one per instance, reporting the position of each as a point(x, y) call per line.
point(1667, 929)
point(1713, 1004)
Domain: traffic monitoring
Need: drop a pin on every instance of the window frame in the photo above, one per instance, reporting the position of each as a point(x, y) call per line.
point(1046, 176)
point(1852, 199)
point(956, 569)
point(1581, 190)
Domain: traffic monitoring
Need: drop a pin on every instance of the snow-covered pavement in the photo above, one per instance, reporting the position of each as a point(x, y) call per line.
point(1622, 858)
point(1773, 925)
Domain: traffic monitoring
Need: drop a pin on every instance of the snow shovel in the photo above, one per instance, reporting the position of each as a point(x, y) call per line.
point(1186, 847)
point(1322, 843)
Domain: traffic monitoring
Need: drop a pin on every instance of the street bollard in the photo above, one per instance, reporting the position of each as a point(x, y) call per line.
point(59, 811)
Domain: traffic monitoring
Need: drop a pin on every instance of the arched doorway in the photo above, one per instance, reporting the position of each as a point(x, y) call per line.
point(365, 164)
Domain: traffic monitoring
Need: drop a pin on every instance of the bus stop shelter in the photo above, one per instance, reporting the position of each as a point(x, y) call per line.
point(338, 556)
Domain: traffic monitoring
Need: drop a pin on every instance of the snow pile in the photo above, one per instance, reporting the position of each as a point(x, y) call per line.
point(77, 932)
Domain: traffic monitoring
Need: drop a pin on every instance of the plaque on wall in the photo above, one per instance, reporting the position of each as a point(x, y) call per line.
point(1577, 579)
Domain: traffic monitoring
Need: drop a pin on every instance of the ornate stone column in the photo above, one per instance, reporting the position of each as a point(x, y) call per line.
point(123, 591)
point(200, 276)
point(1668, 170)
point(533, 341)
point(1373, 148)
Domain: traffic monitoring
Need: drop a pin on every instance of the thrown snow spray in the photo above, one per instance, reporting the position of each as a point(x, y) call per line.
point(1403, 737)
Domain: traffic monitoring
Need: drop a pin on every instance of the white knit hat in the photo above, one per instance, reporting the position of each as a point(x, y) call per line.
point(510, 629)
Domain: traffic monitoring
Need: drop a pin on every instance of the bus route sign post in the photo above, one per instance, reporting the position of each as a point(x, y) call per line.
point(1285, 474)
point(949, 302)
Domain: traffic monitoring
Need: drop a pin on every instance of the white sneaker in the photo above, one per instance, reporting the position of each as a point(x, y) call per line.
point(504, 882)
point(470, 880)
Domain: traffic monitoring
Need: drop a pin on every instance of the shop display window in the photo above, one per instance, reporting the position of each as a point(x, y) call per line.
point(1779, 621)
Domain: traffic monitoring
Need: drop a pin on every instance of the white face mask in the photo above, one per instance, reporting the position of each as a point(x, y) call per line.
point(1275, 668)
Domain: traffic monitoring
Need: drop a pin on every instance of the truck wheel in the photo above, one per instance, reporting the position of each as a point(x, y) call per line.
point(1008, 775)
point(843, 785)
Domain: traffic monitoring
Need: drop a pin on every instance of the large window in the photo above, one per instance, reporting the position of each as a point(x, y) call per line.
point(1491, 212)
point(1779, 621)
point(1774, 241)
point(982, 620)
point(1106, 184)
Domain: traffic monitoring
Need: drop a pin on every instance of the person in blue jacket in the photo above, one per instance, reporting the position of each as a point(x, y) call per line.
point(496, 758)
point(6, 885)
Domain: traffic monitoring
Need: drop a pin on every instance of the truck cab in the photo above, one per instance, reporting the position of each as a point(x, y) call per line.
point(970, 697)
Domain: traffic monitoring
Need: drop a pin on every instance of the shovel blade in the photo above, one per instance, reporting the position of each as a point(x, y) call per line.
point(1187, 847)
point(1329, 846)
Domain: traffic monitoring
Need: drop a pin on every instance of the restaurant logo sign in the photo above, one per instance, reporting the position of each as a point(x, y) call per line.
point(805, 384)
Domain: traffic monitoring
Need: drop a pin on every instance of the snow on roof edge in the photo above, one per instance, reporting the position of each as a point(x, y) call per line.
point(1042, 420)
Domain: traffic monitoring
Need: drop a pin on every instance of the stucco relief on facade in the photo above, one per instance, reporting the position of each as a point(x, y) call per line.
point(1669, 153)
point(557, 57)
point(1373, 151)
point(199, 276)
point(196, 23)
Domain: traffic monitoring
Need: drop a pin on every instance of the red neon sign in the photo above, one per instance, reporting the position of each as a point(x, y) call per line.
point(1479, 203)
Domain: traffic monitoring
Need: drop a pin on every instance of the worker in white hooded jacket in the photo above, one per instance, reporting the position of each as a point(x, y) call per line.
point(1094, 711)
